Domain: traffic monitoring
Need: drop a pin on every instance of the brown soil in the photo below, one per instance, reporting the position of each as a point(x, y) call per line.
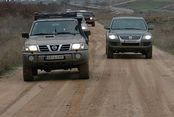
point(126, 86)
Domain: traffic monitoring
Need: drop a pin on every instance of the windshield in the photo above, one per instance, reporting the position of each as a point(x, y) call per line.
point(54, 27)
point(128, 24)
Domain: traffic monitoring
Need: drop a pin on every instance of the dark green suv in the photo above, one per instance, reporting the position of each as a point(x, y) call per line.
point(128, 34)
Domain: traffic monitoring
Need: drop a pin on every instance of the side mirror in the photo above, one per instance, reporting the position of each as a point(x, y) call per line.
point(107, 28)
point(25, 35)
point(150, 27)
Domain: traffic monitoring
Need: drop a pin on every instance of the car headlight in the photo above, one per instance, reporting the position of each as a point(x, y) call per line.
point(31, 48)
point(91, 18)
point(113, 37)
point(147, 37)
point(84, 28)
point(78, 46)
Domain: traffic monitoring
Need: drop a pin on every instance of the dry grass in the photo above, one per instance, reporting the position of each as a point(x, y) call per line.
point(11, 53)
point(10, 41)
point(16, 18)
point(163, 36)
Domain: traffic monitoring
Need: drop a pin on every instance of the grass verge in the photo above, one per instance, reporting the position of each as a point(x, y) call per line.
point(147, 5)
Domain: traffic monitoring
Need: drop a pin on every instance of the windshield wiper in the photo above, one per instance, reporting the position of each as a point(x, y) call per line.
point(65, 33)
point(43, 34)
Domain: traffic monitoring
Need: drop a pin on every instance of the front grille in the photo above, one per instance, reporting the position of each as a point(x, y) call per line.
point(130, 44)
point(43, 48)
point(47, 48)
point(65, 47)
point(54, 47)
point(124, 37)
point(130, 37)
point(114, 43)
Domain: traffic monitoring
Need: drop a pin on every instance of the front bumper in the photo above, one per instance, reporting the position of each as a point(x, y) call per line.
point(72, 59)
point(89, 21)
point(137, 46)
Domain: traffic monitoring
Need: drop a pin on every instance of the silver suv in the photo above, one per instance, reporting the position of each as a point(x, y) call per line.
point(55, 43)
point(128, 34)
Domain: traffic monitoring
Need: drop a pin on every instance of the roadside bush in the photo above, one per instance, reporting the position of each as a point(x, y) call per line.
point(163, 36)
point(10, 52)
point(10, 40)
point(16, 18)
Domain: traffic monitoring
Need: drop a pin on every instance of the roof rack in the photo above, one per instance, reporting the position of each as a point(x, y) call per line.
point(55, 15)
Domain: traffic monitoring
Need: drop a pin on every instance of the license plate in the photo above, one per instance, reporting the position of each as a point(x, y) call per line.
point(54, 57)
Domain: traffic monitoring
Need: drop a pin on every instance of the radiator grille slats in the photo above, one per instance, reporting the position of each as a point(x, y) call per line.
point(130, 44)
point(43, 48)
point(47, 48)
point(130, 37)
point(65, 47)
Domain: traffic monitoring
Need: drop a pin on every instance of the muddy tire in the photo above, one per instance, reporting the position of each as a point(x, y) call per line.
point(93, 24)
point(84, 71)
point(29, 73)
point(109, 53)
point(149, 54)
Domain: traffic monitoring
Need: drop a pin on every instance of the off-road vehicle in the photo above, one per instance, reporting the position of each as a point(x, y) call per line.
point(80, 17)
point(88, 15)
point(128, 34)
point(55, 43)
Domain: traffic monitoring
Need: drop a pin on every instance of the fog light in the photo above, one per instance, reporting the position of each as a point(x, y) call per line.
point(78, 56)
point(31, 58)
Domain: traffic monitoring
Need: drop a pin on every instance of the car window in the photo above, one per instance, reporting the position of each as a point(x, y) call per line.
point(55, 27)
point(121, 24)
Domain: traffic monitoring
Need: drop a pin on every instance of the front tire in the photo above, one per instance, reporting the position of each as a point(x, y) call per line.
point(84, 71)
point(29, 73)
point(149, 54)
point(109, 52)
point(93, 24)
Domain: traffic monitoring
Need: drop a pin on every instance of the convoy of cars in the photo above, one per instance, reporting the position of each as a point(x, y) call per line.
point(60, 41)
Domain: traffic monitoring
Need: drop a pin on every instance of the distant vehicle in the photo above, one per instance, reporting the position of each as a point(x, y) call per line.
point(88, 15)
point(128, 34)
point(55, 43)
point(84, 25)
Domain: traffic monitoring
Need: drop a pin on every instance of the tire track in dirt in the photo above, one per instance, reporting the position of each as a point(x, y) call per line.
point(126, 86)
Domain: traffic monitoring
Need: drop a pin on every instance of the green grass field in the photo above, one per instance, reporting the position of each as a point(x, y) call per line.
point(147, 5)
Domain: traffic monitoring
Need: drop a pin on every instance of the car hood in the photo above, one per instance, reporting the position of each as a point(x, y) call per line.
point(54, 40)
point(129, 32)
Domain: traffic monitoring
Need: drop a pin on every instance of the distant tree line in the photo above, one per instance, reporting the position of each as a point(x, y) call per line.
point(26, 10)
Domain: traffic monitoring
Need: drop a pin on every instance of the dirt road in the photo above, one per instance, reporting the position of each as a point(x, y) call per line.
point(127, 86)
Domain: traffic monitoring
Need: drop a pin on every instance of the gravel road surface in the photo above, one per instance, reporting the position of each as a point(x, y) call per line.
point(126, 86)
